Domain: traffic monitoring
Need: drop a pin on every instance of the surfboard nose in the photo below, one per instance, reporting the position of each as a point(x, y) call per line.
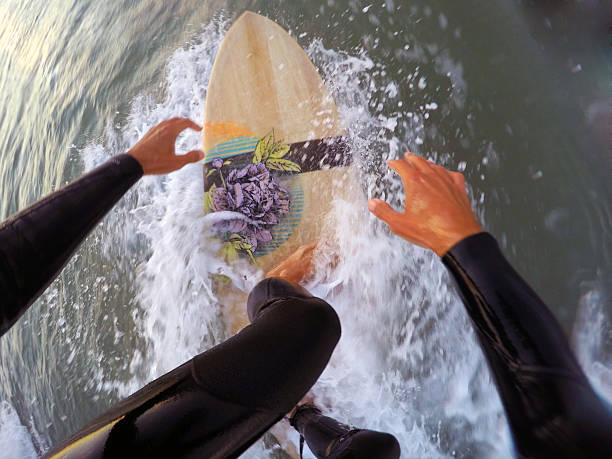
point(262, 79)
point(250, 17)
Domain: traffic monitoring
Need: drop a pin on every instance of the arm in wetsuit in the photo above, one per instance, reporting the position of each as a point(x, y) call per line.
point(551, 407)
point(37, 243)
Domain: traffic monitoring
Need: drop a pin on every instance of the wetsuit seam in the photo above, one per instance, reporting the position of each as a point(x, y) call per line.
point(461, 273)
point(263, 309)
point(534, 380)
point(341, 439)
point(512, 361)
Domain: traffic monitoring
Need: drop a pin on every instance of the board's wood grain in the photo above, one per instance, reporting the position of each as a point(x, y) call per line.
point(262, 80)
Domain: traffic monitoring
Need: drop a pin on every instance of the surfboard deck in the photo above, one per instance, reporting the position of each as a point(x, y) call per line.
point(267, 104)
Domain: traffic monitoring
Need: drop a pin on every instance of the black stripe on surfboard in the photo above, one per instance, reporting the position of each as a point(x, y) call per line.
point(319, 154)
point(312, 155)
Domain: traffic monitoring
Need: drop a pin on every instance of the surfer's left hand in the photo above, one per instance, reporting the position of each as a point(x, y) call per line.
point(297, 266)
point(155, 151)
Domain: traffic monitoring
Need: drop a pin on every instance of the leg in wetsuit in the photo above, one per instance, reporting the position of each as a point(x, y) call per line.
point(330, 439)
point(223, 400)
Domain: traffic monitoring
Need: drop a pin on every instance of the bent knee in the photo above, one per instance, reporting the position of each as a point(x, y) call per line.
point(313, 315)
point(308, 326)
point(269, 290)
point(318, 316)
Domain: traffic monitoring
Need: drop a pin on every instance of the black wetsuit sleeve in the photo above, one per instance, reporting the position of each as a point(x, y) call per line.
point(552, 409)
point(36, 243)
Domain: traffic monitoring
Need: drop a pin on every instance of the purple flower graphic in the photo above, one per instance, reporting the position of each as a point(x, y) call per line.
point(253, 192)
point(217, 163)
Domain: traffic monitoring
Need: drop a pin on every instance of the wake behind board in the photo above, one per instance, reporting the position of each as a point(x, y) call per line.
point(274, 144)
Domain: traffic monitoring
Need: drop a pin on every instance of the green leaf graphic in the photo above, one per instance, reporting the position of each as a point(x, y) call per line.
point(262, 150)
point(283, 165)
point(279, 151)
point(231, 249)
point(208, 200)
point(229, 252)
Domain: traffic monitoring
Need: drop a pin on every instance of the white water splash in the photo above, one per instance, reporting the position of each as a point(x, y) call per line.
point(14, 436)
point(407, 362)
point(592, 341)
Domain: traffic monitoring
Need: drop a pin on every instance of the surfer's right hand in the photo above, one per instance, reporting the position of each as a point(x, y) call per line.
point(155, 151)
point(437, 211)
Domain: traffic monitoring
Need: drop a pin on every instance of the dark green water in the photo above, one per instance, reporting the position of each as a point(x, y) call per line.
point(514, 93)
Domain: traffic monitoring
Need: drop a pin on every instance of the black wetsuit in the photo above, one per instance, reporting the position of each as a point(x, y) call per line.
point(330, 439)
point(220, 402)
point(36, 243)
point(551, 406)
point(223, 400)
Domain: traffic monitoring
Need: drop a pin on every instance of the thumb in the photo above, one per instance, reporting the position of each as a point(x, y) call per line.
point(192, 156)
point(381, 209)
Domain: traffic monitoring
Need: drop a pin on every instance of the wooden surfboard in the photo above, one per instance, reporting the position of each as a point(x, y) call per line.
point(269, 118)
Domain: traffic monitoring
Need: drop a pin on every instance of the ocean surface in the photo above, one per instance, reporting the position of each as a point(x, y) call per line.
point(514, 94)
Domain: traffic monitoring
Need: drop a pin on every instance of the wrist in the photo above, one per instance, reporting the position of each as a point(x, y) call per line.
point(137, 157)
point(444, 245)
point(135, 161)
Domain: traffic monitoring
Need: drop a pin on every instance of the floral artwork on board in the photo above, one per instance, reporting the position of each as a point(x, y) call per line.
point(253, 193)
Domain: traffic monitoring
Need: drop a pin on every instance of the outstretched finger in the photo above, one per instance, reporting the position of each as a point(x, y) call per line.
point(381, 210)
point(191, 157)
point(309, 247)
point(178, 125)
point(418, 162)
point(402, 167)
point(458, 180)
point(405, 171)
